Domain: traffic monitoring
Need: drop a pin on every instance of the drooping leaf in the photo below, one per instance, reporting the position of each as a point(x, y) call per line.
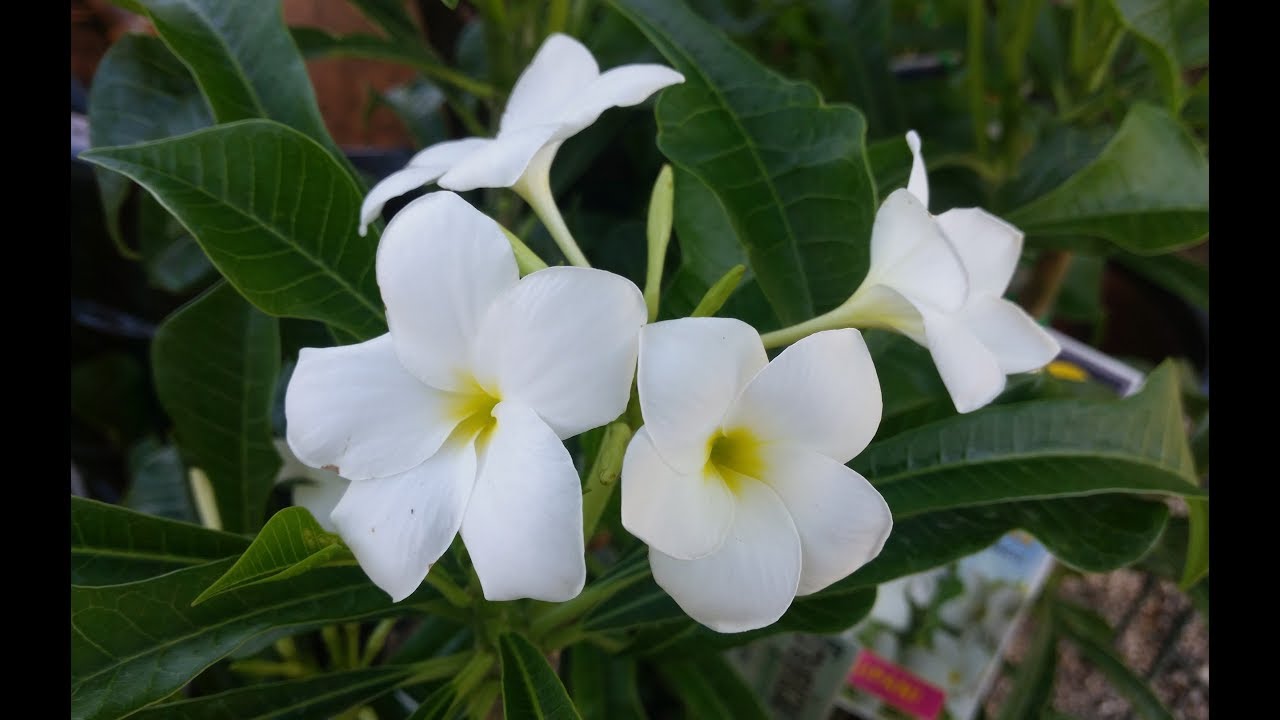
point(216, 361)
point(1154, 24)
point(112, 545)
point(140, 92)
point(789, 170)
point(326, 695)
point(275, 213)
point(1147, 191)
point(530, 688)
point(291, 543)
point(1043, 449)
point(136, 643)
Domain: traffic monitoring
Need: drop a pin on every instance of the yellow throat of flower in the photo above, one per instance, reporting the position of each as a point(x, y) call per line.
point(734, 455)
point(472, 410)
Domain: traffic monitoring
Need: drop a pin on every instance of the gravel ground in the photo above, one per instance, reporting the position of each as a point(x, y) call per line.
point(1163, 638)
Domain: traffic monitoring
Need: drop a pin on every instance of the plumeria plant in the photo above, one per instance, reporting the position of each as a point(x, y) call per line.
point(651, 354)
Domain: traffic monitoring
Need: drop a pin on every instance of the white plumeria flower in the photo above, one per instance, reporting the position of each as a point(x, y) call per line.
point(940, 280)
point(955, 665)
point(454, 419)
point(319, 490)
point(737, 480)
point(558, 95)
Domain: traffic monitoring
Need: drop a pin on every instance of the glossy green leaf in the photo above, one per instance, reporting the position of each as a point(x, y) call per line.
point(275, 213)
point(173, 260)
point(1093, 533)
point(530, 687)
point(1183, 277)
point(327, 695)
point(158, 482)
point(112, 545)
point(603, 685)
point(136, 643)
point(709, 250)
point(244, 61)
point(789, 170)
point(216, 361)
point(291, 543)
point(1152, 22)
point(1086, 630)
point(1147, 191)
point(1037, 450)
point(140, 92)
point(711, 689)
point(1197, 565)
point(1032, 686)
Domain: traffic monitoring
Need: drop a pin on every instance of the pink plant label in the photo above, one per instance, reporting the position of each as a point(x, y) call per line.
point(896, 686)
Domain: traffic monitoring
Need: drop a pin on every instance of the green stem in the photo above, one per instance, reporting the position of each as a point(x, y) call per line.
point(473, 672)
point(481, 704)
point(602, 478)
point(718, 294)
point(352, 634)
point(332, 645)
point(526, 260)
point(377, 639)
point(441, 667)
point(829, 321)
point(447, 588)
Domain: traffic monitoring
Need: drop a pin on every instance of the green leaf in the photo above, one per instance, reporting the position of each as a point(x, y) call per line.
point(171, 257)
point(1197, 565)
point(244, 61)
point(603, 685)
point(140, 92)
point(1037, 450)
point(1147, 191)
point(1183, 277)
point(158, 482)
point(275, 213)
point(789, 170)
point(216, 361)
point(530, 687)
point(1091, 634)
point(314, 42)
point(709, 250)
point(1152, 22)
point(1032, 687)
point(711, 689)
point(136, 643)
point(291, 543)
point(327, 695)
point(392, 17)
point(112, 545)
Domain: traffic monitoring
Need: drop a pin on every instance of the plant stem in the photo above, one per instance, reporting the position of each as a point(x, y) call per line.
point(1046, 280)
point(447, 588)
point(786, 336)
point(352, 632)
point(603, 475)
point(534, 186)
point(377, 639)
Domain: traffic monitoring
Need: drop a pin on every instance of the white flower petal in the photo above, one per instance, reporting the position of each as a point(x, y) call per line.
point(910, 254)
point(423, 168)
point(502, 161)
point(690, 372)
point(523, 528)
point(842, 520)
point(1017, 341)
point(562, 341)
point(560, 70)
point(969, 370)
point(821, 393)
point(988, 246)
point(918, 182)
point(355, 408)
point(883, 307)
point(398, 526)
point(620, 87)
point(751, 580)
point(320, 497)
point(440, 265)
point(682, 515)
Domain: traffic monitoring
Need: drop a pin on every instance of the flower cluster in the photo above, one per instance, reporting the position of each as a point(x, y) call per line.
point(454, 421)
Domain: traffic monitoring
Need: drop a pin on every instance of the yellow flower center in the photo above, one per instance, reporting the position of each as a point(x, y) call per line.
point(735, 455)
point(472, 410)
